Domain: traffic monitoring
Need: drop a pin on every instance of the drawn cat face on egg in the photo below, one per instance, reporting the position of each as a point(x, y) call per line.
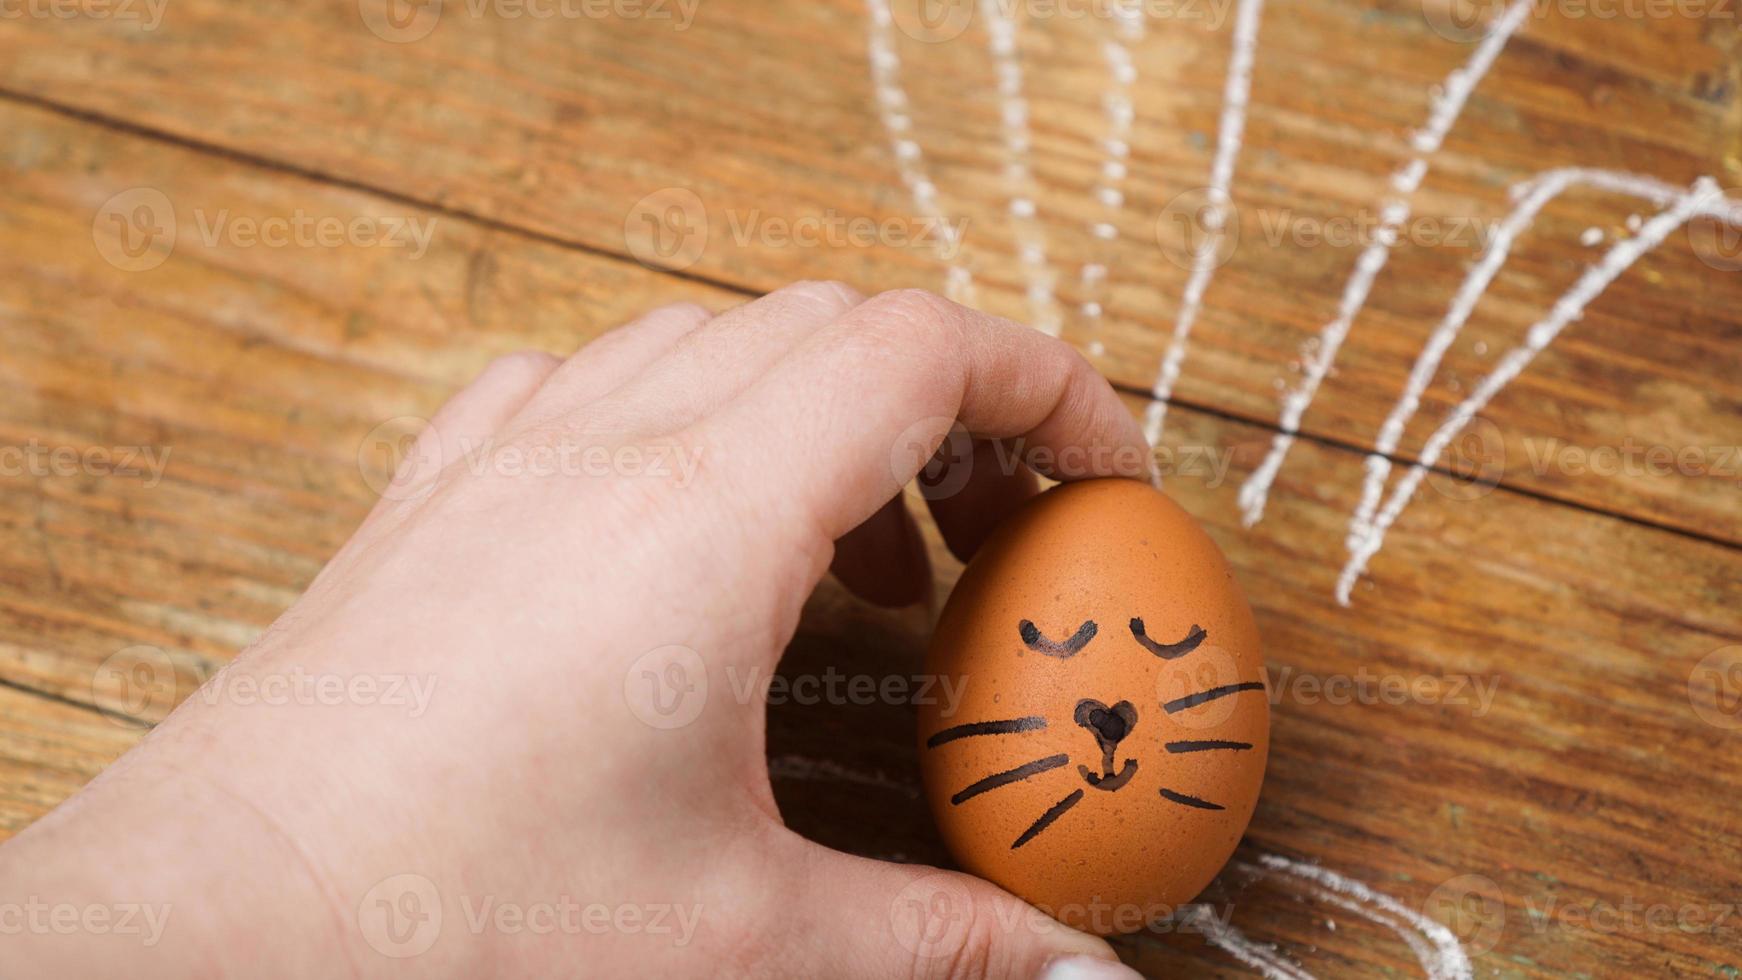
point(1112, 730)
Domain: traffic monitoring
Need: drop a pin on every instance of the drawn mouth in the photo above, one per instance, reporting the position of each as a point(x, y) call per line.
point(1109, 780)
point(1109, 726)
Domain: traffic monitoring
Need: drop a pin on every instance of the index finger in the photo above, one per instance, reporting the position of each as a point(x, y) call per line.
point(852, 414)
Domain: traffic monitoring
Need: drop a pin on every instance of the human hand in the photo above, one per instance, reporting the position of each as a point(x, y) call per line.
point(316, 839)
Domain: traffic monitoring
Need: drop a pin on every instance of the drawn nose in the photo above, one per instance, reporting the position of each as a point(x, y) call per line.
point(1108, 725)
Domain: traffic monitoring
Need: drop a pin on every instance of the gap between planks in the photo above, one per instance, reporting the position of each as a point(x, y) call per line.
point(246, 158)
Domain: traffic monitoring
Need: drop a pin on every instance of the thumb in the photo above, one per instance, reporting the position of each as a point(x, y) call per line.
point(866, 918)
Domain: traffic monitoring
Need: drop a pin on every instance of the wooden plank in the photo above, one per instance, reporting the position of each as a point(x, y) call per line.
point(254, 376)
point(48, 750)
point(1591, 778)
point(765, 112)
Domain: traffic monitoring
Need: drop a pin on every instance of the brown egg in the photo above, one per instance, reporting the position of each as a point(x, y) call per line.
point(1107, 745)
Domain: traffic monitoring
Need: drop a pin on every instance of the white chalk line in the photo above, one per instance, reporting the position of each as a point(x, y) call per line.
point(1269, 963)
point(1532, 196)
point(1394, 211)
point(1018, 176)
point(893, 112)
point(1435, 946)
point(1128, 30)
point(1703, 197)
point(1230, 130)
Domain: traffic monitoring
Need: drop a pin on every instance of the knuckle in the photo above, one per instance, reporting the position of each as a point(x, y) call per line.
point(825, 297)
point(917, 305)
point(1076, 374)
point(908, 319)
point(519, 368)
point(686, 311)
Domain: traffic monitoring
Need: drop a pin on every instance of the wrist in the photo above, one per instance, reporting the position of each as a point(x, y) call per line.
point(154, 871)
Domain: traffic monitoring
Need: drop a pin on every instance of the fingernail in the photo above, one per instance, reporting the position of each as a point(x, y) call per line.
point(1087, 968)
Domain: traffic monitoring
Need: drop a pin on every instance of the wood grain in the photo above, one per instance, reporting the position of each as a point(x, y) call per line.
point(48, 750)
point(1589, 778)
point(562, 127)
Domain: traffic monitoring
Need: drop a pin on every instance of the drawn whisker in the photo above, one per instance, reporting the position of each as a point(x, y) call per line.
point(1168, 651)
point(1192, 801)
point(1009, 776)
point(1204, 697)
point(1207, 745)
point(1054, 812)
point(1009, 727)
point(1034, 640)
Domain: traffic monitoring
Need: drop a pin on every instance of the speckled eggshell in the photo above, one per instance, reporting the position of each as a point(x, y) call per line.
point(1011, 772)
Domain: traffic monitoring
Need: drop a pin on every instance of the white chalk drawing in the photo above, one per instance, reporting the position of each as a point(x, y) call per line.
point(1318, 358)
point(1436, 948)
point(1236, 92)
point(1128, 30)
point(1370, 521)
point(1018, 175)
point(893, 111)
point(1263, 957)
point(1367, 536)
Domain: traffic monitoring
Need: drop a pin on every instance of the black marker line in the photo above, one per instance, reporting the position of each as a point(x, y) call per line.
point(1206, 745)
point(1181, 798)
point(1168, 651)
point(1058, 810)
point(1193, 700)
point(1032, 638)
point(1009, 776)
point(973, 728)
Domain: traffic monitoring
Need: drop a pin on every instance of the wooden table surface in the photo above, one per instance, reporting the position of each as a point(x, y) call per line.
point(1526, 725)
